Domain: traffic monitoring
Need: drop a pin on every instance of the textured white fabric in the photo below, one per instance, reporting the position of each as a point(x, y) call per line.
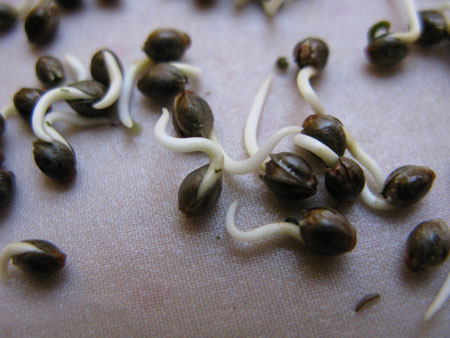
point(137, 267)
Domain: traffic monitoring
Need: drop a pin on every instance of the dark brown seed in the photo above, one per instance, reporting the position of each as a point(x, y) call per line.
point(69, 4)
point(383, 49)
point(345, 181)
point(8, 17)
point(327, 130)
point(99, 71)
point(428, 245)
point(42, 22)
point(192, 115)
point(187, 194)
point(366, 300)
point(290, 176)
point(327, 232)
point(55, 160)
point(311, 52)
point(432, 27)
point(162, 81)
point(166, 44)
point(25, 100)
point(7, 180)
point(408, 185)
point(39, 264)
point(282, 63)
point(49, 71)
point(2, 130)
point(85, 107)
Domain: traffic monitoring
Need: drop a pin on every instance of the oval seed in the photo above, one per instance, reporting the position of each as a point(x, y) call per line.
point(7, 180)
point(288, 175)
point(85, 107)
point(187, 193)
point(166, 44)
point(8, 17)
point(408, 184)
point(25, 100)
point(99, 70)
point(428, 245)
point(162, 81)
point(192, 115)
point(326, 231)
point(345, 181)
point(49, 71)
point(40, 264)
point(311, 52)
point(327, 130)
point(42, 22)
point(55, 160)
point(433, 27)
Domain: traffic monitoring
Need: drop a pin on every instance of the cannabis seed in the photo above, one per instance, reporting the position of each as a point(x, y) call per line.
point(42, 22)
point(327, 232)
point(345, 181)
point(55, 160)
point(428, 245)
point(327, 130)
point(99, 70)
point(85, 107)
point(290, 176)
point(162, 81)
point(188, 203)
point(311, 52)
point(25, 100)
point(166, 44)
point(8, 17)
point(433, 27)
point(192, 116)
point(408, 184)
point(50, 71)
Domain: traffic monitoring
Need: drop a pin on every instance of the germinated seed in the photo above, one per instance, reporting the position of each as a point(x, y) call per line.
point(408, 184)
point(85, 107)
point(99, 71)
point(288, 175)
point(345, 181)
point(326, 231)
point(432, 27)
point(42, 22)
point(428, 245)
point(55, 160)
point(162, 81)
point(40, 264)
point(192, 115)
point(50, 71)
point(25, 100)
point(311, 52)
point(327, 130)
point(383, 49)
point(187, 193)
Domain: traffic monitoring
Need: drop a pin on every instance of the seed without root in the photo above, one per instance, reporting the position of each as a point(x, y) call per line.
point(166, 44)
point(8, 17)
point(49, 71)
point(7, 180)
point(42, 22)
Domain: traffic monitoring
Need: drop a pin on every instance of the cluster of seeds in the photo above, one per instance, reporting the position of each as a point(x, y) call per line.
point(161, 78)
point(427, 28)
point(41, 22)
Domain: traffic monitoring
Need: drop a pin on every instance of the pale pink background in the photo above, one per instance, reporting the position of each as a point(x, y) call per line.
point(137, 267)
